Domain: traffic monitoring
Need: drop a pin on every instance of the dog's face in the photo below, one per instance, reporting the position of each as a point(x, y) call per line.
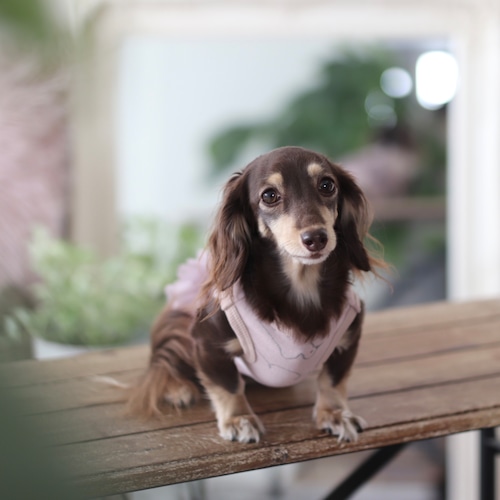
point(295, 201)
point(300, 201)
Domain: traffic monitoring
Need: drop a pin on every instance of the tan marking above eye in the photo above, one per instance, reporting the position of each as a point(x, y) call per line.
point(314, 169)
point(276, 179)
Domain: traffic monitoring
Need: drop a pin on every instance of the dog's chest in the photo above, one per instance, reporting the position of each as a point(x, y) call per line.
point(273, 356)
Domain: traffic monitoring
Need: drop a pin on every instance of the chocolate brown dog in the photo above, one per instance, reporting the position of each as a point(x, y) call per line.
point(269, 298)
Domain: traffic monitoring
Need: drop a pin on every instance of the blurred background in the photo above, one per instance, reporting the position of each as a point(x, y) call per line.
point(120, 122)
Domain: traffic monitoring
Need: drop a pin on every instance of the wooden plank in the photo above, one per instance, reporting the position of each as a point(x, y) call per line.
point(99, 362)
point(431, 316)
point(378, 348)
point(87, 408)
point(397, 322)
point(291, 436)
point(127, 364)
point(450, 361)
point(159, 474)
point(374, 348)
point(422, 372)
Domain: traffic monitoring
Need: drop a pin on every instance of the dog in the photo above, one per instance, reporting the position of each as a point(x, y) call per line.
point(270, 298)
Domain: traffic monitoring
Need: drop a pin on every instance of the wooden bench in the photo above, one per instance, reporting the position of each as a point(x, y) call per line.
point(422, 372)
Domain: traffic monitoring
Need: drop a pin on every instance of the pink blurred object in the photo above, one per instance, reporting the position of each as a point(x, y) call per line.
point(184, 292)
point(382, 170)
point(33, 162)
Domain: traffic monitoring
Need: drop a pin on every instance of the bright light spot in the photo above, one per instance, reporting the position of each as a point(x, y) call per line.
point(436, 75)
point(396, 82)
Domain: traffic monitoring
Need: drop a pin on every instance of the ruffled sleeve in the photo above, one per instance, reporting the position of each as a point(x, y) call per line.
point(184, 293)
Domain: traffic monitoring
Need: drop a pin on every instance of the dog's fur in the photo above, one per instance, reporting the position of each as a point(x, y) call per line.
point(291, 228)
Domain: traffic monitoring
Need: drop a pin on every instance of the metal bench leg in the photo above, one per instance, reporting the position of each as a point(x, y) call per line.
point(196, 490)
point(489, 448)
point(364, 472)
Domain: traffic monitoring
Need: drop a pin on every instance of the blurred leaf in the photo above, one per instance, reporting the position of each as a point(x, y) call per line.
point(12, 329)
point(225, 148)
point(28, 18)
point(85, 301)
point(329, 117)
point(30, 28)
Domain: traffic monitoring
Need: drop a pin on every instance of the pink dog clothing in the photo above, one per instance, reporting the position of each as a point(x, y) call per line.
point(271, 355)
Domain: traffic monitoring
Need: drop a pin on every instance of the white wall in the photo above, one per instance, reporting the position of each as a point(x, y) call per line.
point(174, 94)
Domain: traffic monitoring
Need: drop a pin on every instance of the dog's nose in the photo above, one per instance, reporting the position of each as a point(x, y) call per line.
point(314, 240)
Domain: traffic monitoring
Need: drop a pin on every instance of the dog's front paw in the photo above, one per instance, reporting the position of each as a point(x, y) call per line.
point(245, 429)
point(341, 423)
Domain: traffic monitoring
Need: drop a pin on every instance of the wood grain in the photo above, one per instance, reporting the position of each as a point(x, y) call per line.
point(421, 372)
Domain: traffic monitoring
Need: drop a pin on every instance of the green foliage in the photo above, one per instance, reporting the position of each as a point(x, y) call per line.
point(431, 180)
point(84, 301)
point(330, 117)
point(334, 117)
point(394, 237)
point(14, 343)
point(31, 28)
point(28, 19)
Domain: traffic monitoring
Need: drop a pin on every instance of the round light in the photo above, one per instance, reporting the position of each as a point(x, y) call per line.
point(396, 82)
point(436, 75)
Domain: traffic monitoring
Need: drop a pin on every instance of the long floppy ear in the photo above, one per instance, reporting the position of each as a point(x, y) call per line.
point(229, 241)
point(353, 221)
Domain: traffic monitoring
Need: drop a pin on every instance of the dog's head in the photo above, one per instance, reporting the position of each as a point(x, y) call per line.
point(297, 199)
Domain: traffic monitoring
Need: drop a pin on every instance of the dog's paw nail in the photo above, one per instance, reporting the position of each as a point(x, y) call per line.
point(359, 423)
point(242, 429)
point(340, 423)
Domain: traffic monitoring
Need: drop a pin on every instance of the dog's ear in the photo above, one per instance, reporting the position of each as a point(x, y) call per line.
point(229, 241)
point(353, 221)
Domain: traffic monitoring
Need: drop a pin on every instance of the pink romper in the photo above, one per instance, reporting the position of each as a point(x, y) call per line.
point(271, 355)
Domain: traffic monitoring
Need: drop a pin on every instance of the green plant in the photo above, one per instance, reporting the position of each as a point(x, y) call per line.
point(330, 116)
point(84, 301)
point(31, 28)
point(14, 343)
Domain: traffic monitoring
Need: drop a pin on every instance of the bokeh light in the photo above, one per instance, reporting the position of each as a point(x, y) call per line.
point(436, 74)
point(396, 82)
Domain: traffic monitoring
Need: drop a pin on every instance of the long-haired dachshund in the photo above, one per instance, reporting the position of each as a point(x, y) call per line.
point(269, 298)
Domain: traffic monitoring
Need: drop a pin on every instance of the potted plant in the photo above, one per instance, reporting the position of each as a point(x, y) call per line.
point(83, 302)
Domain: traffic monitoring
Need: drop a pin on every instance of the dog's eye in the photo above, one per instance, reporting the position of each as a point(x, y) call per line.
point(270, 196)
point(326, 186)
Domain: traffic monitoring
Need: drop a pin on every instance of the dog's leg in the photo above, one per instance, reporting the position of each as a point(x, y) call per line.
point(236, 420)
point(216, 346)
point(331, 410)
